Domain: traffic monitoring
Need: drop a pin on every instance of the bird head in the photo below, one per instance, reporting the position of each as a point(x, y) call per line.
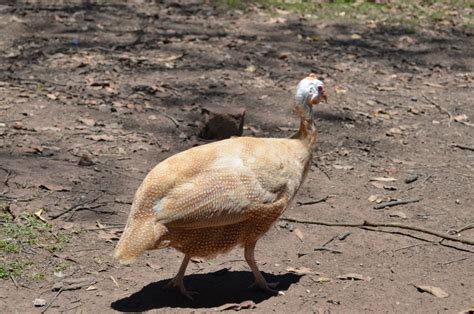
point(310, 92)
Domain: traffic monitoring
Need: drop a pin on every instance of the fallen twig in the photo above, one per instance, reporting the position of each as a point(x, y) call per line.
point(455, 261)
point(414, 245)
point(461, 146)
point(366, 223)
point(5, 181)
point(327, 249)
point(14, 281)
point(427, 178)
point(52, 300)
point(457, 231)
point(91, 208)
point(395, 203)
point(438, 106)
point(322, 170)
point(319, 200)
point(115, 281)
point(171, 118)
point(15, 199)
point(75, 207)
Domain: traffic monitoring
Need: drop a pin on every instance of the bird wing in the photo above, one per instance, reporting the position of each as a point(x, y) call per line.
point(214, 198)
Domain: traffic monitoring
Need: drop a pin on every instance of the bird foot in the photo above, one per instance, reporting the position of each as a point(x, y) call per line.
point(265, 286)
point(179, 285)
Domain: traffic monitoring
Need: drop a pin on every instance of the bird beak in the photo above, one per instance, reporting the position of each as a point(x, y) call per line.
point(322, 95)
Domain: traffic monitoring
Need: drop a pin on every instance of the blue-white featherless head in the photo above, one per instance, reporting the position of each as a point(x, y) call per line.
point(309, 92)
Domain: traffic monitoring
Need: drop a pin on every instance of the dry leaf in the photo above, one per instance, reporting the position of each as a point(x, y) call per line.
point(383, 179)
point(300, 270)
point(436, 291)
point(394, 131)
point(52, 96)
point(372, 198)
point(250, 69)
point(378, 185)
point(385, 88)
point(87, 121)
point(99, 138)
point(85, 161)
point(461, 118)
point(354, 276)
point(298, 233)
point(343, 167)
point(54, 187)
point(197, 260)
point(356, 36)
point(38, 214)
point(68, 225)
point(398, 214)
point(249, 304)
point(340, 90)
point(170, 58)
point(109, 236)
point(154, 266)
point(321, 279)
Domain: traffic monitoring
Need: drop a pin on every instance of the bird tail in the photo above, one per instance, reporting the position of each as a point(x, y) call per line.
point(139, 235)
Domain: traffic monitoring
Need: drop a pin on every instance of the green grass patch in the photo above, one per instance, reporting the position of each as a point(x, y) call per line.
point(61, 266)
point(28, 230)
point(456, 12)
point(12, 269)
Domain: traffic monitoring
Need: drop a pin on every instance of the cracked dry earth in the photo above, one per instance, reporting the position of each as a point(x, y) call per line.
point(123, 85)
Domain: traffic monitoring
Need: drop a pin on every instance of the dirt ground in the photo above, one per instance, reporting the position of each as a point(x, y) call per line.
point(123, 85)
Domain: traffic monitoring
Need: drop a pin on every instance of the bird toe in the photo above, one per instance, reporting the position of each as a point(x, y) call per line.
point(265, 286)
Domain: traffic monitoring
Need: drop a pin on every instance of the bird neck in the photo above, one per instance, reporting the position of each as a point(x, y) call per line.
point(307, 133)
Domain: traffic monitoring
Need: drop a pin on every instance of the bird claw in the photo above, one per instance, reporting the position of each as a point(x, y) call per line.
point(265, 286)
point(172, 284)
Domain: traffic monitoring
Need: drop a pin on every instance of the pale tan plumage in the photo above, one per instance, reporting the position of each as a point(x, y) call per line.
point(208, 199)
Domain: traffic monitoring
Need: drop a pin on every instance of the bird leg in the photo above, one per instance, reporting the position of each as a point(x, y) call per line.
point(260, 282)
point(177, 281)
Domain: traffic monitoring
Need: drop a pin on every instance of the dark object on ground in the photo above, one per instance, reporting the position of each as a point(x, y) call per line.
point(221, 123)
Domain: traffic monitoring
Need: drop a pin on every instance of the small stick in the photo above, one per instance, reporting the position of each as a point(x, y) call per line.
point(456, 260)
point(461, 146)
point(413, 245)
point(327, 249)
point(322, 170)
point(438, 106)
point(15, 199)
point(91, 208)
point(52, 300)
point(319, 200)
point(427, 178)
point(366, 223)
point(329, 241)
point(75, 207)
point(14, 281)
point(456, 231)
point(171, 118)
point(115, 281)
point(395, 203)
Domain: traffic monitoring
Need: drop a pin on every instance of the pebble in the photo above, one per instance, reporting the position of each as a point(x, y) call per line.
point(39, 302)
point(410, 179)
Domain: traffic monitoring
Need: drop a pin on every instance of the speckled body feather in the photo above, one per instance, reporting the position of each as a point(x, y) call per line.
point(211, 198)
point(208, 199)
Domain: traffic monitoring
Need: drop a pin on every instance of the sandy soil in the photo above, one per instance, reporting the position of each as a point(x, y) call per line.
point(124, 85)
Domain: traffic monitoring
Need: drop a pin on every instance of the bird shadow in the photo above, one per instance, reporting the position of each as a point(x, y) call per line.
point(214, 289)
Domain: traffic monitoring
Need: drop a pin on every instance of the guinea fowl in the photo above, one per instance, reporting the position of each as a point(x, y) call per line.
point(208, 199)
